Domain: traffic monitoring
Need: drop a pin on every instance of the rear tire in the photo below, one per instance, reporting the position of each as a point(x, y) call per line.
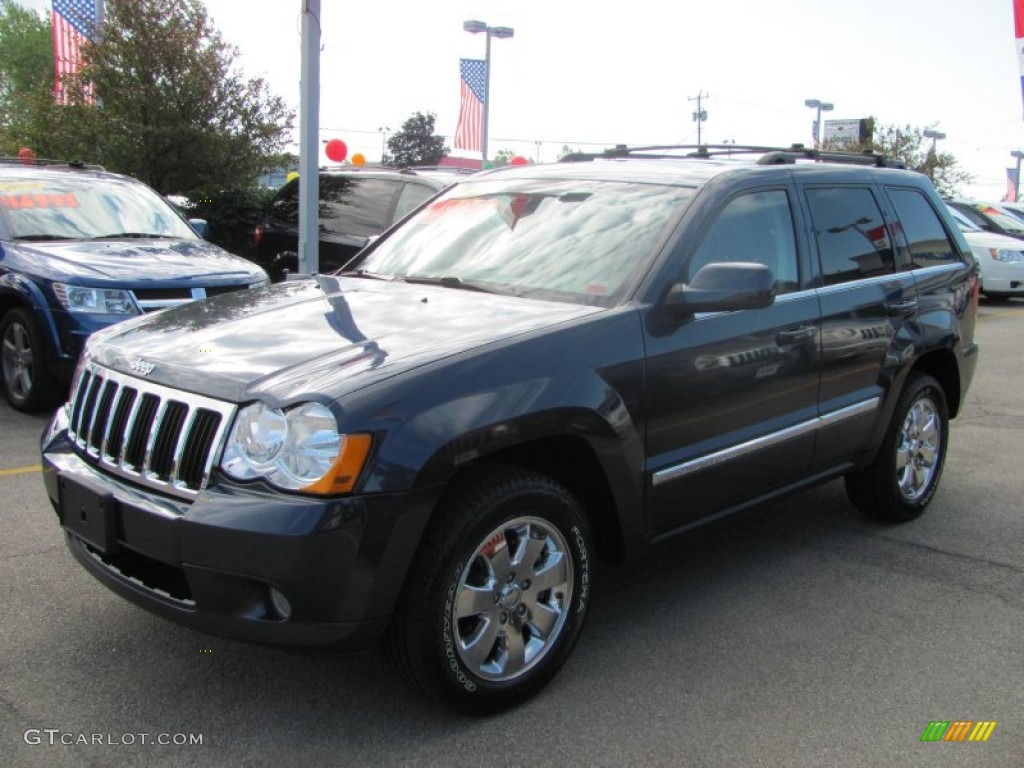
point(498, 593)
point(905, 474)
point(25, 375)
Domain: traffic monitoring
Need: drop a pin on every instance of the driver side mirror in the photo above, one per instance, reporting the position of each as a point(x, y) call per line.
point(723, 287)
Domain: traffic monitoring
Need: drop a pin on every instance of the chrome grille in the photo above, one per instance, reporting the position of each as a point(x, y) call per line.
point(147, 433)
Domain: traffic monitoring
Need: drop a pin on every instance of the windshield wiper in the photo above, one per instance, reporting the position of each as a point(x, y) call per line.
point(44, 237)
point(446, 281)
point(362, 273)
point(138, 235)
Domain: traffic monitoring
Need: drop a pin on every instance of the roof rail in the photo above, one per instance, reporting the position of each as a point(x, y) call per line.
point(768, 155)
point(456, 169)
point(44, 162)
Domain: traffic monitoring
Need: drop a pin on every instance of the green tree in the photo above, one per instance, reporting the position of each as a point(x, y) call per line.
point(175, 111)
point(26, 77)
point(26, 50)
point(416, 143)
point(909, 144)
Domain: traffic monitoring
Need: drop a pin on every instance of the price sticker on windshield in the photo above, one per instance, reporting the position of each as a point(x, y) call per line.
point(29, 200)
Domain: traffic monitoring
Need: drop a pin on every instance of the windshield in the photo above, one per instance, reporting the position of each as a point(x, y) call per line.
point(85, 208)
point(965, 224)
point(568, 240)
point(1001, 219)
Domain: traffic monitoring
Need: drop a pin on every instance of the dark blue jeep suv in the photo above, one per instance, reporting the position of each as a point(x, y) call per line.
point(81, 249)
point(542, 368)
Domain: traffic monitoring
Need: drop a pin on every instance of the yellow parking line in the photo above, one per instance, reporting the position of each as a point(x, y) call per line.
point(20, 470)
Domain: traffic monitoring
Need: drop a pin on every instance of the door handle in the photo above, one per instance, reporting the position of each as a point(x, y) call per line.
point(796, 335)
point(904, 307)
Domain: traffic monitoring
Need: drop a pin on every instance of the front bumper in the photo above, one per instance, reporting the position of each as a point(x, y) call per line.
point(220, 564)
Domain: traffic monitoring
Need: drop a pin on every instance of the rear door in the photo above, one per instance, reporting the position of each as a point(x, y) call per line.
point(867, 300)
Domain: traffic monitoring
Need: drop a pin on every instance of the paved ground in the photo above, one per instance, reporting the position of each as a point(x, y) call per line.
point(794, 635)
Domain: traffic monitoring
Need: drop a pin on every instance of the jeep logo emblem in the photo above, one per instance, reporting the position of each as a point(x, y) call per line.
point(142, 367)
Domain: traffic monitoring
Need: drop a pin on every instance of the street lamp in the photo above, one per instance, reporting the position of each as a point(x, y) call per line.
point(934, 136)
point(1016, 182)
point(384, 130)
point(501, 33)
point(821, 106)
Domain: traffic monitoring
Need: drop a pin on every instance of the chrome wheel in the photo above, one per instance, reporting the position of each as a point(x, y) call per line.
point(511, 601)
point(17, 360)
point(918, 454)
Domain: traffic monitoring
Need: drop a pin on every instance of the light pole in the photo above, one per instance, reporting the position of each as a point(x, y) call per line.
point(1016, 182)
point(821, 106)
point(934, 136)
point(384, 130)
point(501, 33)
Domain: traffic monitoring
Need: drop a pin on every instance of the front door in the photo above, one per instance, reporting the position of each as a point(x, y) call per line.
point(732, 396)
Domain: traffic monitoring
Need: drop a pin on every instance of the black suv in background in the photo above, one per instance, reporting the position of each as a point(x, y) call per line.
point(545, 366)
point(81, 249)
point(355, 205)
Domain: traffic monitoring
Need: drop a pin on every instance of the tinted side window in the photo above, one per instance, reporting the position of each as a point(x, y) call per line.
point(411, 196)
point(853, 241)
point(284, 208)
point(927, 238)
point(757, 227)
point(351, 205)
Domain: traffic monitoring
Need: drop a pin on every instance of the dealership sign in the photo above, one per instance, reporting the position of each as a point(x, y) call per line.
point(842, 132)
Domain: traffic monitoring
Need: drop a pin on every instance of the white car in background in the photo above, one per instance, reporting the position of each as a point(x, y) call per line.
point(1000, 259)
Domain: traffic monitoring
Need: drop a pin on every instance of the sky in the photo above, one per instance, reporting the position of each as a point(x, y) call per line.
point(588, 75)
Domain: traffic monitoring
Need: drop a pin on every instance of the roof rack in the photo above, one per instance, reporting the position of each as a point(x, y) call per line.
point(768, 155)
point(454, 169)
point(44, 162)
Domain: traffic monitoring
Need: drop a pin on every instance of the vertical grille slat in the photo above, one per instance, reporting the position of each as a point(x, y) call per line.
point(147, 433)
point(192, 464)
point(118, 423)
point(88, 411)
point(101, 418)
point(135, 451)
point(168, 434)
point(79, 401)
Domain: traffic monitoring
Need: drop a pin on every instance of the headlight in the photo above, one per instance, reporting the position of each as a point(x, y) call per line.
point(95, 301)
point(1005, 256)
point(298, 450)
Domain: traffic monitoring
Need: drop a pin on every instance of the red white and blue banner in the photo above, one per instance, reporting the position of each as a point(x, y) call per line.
point(1011, 186)
point(470, 128)
point(1018, 25)
point(74, 23)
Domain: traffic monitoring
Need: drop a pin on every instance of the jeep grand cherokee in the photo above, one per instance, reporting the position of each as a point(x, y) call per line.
point(543, 367)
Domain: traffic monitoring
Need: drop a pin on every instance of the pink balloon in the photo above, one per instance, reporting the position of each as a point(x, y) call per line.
point(518, 160)
point(336, 150)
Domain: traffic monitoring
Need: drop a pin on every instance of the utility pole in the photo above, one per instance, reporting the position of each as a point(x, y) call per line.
point(700, 115)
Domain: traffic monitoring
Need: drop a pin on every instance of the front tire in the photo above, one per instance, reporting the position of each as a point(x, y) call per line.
point(905, 474)
point(498, 593)
point(26, 377)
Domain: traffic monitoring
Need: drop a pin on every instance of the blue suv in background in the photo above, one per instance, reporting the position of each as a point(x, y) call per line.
point(81, 249)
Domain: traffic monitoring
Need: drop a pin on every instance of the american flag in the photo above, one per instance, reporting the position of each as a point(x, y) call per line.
point(73, 24)
point(470, 129)
point(1018, 33)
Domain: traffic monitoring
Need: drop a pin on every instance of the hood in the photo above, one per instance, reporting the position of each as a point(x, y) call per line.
point(316, 338)
point(133, 263)
point(993, 240)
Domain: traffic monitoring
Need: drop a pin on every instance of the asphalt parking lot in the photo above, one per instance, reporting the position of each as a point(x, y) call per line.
point(796, 634)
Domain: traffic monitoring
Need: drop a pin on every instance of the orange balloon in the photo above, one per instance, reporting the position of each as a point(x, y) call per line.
point(358, 159)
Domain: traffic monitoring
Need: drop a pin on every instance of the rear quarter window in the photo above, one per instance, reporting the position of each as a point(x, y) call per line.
point(927, 242)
